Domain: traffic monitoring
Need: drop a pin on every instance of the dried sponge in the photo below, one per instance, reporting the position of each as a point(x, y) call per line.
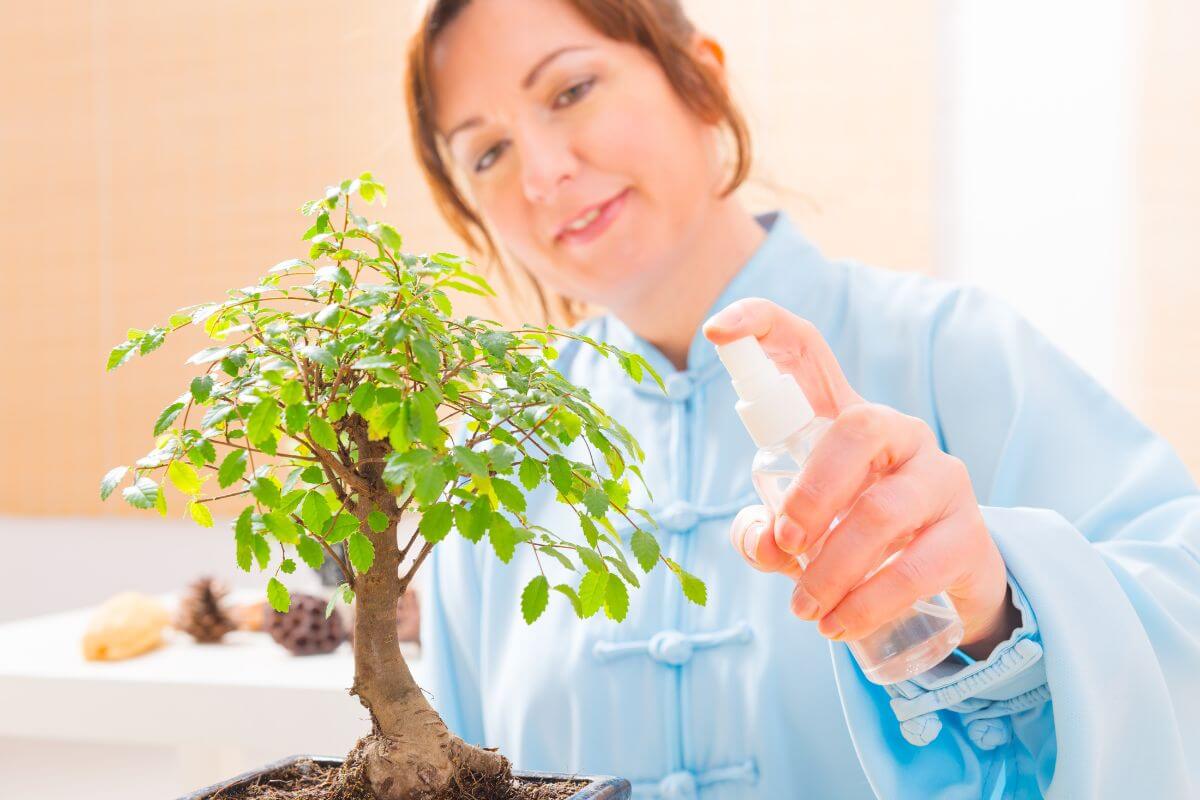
point(126, 625)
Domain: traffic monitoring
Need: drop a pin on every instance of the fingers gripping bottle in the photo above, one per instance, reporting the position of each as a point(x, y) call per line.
point(781, 421)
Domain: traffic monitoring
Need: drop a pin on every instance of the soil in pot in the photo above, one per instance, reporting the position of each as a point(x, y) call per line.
point(307, 779)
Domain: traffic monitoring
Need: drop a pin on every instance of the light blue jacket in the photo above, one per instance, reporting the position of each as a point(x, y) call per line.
point(1096, 695)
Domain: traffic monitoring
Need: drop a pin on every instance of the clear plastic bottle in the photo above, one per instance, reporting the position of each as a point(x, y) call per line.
point(782, 423)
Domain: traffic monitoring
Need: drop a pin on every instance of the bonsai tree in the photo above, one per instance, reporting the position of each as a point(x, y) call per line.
point(343, 393)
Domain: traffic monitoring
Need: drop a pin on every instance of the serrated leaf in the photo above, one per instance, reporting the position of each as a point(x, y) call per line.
point(435, 522)
point(503, 537)
point(315, 512)
point(362, 552)
point(142, 494)
point(559, 555)
point(291, 392)
point(184, 476)
point(282, 526)
point(201, 514)
point(593, 592)
point(378, 521)
point(310, 552)
point(295, 418)
point(471, 462)
point(645, 549)
point(322, 433)
point(591, 559)
point(560, 473)
point(570, 594)
point(318, 354)
point(110, 481)
point(261, 424)
point(167, 416)
point(693, 588)
point(595, 501)
point(201, 388)
point(616, 599)
point(473, 522)
point(531, 473)
point(535, 598)
point(509, 494)
point(232, 468)
point(278, 596)
point(363, 397)
point(267, 492)
point(287, 566)
point(589, 531)
point(343, 525)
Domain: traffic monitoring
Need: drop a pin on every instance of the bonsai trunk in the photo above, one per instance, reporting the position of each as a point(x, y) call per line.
point(411, 753)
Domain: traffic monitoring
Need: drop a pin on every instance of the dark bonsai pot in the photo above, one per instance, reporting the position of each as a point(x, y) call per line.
point(596, 789)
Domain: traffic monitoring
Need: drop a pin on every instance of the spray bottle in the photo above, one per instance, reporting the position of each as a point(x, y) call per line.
point(781, 422)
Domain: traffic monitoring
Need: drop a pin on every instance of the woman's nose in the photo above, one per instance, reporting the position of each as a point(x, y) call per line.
point(547, 163)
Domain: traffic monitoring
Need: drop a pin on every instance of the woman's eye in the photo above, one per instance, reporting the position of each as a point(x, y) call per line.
point(572, 94)
point(489, 157)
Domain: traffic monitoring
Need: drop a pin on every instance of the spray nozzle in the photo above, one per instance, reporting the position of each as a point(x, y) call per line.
point(771, 404)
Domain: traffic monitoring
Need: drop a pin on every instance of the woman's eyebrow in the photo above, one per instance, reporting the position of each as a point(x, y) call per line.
point(540, 65)
point(529, 80)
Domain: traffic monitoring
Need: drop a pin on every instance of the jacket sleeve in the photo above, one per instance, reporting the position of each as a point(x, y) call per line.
point(1096, 694)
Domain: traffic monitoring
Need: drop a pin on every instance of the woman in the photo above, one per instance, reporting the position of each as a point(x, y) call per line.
point(588, 140)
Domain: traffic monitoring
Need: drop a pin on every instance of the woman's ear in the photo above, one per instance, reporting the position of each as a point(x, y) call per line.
point(708, 51)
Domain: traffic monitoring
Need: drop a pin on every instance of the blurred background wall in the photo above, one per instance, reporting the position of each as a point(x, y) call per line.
point(154, 154)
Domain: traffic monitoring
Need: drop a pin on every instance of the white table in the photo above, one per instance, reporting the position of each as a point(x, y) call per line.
point(164, 723)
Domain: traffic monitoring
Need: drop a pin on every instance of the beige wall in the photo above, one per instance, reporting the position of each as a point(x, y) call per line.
point(1168, 233)
point(153, 155)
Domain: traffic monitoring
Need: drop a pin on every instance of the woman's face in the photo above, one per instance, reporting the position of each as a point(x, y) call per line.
point(574, 147)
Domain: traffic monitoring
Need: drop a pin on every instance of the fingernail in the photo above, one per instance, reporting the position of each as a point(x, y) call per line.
point(750, 541)
point(803, 604)
point(830, 628)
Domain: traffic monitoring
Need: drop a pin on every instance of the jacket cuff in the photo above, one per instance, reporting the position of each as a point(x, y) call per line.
point(985, 694)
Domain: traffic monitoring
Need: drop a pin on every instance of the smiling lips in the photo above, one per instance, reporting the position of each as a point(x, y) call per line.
point(592, 222)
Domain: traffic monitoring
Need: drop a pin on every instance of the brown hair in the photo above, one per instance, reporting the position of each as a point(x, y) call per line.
point(659, 26)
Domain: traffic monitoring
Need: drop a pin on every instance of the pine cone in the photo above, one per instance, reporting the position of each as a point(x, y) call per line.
point(304, 630)
point(201, 613)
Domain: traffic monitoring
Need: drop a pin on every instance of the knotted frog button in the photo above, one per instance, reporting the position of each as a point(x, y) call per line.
point(678, 786)
point(670, 647)
point(679, 517)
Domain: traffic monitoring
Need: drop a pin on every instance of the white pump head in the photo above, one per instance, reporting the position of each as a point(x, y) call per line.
point(771, 404)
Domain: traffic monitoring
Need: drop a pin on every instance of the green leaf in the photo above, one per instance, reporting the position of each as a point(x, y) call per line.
point(291, 392)
point(262, 550)
point(142, 494)
point(616, 599)
point(110, 481)
point(427, 357)
point(558, 554)
point(184, 476)
point(318, 354)
point(645, 549)
point(232, 468)
point(436, 522)
point(503, 537)
point(591, 559)
point(593, 591)
point(261, 424)
point(167, 416)
point(363, 397)
point(377, 520)
point(267, 492)
point(534, 598)
point(201, 388)
point(343, 525)
point(362, 552)
point(470, 461)
point(589, 531)
point(560, 473)
point(201, 514)
point(531, 473)
point(310, 552)
point(287, 566)
point(509, 494)
point(389, 237)
point(596, 501)
point(574, 598)
point(295, 418)
point(278, 596)
point(282, 526)
point(120, 354)
point(315, 512)
point(322, 433)
point(430, 481)
point(473, 522)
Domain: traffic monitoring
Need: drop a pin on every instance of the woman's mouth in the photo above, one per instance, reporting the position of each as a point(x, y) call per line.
point(591, 222)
